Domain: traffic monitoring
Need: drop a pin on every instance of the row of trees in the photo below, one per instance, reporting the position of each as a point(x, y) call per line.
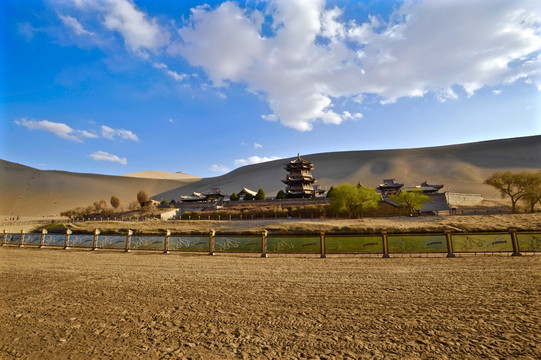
point(524, 187)
point(102, 207)
point(357, 199)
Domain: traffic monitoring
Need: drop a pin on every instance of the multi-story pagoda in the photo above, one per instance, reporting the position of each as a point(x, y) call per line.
point(299, 180)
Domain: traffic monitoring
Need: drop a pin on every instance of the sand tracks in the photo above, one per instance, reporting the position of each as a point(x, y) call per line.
point(114, 305)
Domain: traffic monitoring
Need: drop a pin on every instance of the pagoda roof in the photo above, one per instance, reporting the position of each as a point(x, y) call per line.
point(390, 183)
point(299, 160)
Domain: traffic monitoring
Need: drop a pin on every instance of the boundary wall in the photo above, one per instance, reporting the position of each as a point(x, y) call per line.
point(383, 243)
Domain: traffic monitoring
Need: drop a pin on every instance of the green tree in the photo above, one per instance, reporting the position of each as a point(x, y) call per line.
point(330, 192)
point(260, 195)
point(533, 190)
point(412, 200)
point(514, 185)
point(353, 199)
point(142, 197)
point(115, 201)
point(234, 197)
point(248, 196)
point(281, 194)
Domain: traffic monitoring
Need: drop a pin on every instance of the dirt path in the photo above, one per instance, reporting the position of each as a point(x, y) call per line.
point(102, 305)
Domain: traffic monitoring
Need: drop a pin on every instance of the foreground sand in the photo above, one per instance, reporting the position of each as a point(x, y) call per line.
point(100, 305)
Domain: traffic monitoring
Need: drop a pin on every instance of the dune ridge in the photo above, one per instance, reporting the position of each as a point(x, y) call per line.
point(26, 191)
point(461, 168)
point(163, 175)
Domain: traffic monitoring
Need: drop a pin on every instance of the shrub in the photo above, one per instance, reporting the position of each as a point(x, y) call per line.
point(260, 195)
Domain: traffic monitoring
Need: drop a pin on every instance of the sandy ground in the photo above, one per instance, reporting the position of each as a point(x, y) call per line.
point(459, 223)
point(102, 305)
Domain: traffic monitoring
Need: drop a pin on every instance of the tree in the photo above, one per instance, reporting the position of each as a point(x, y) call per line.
point(248, 196)
point(533, 190)
point(142, 197)
point(281, 194)
point(115, 202)
point(260, 195)
point(413, 200)
point(510, 184)
point(353, 199)
point(330, 192)
point(99, 206)
point(234, 197)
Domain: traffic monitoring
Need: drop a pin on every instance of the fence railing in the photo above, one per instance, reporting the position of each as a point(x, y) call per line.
point(383, 243)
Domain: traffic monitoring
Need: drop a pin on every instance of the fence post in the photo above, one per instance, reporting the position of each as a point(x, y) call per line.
point(21, 241)
point(264, 234)
point(449, 240)
point(322, 244)
point(67, 239)
point(42, 238)
point(166, 242)
point(95, 240)
point(514, 241)
point(4, 237)
point(128, 241)
point(212, 233)
point(385, 243)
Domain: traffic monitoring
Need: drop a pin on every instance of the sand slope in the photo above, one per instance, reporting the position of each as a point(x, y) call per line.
point(28, 191)
point(461, 168)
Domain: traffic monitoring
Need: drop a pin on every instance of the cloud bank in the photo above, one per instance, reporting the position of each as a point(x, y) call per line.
point(255, 160)
point(312, 65)
point(61, 130)
point(67, 132)
point(313, 57)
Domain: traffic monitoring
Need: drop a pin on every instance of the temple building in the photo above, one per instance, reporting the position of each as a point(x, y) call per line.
point(389, 187)
point(429, 189)
point(299, 180)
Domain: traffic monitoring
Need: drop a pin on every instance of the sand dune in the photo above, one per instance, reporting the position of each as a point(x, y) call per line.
point(461, 168)
point(164, 175)
point(31, 192)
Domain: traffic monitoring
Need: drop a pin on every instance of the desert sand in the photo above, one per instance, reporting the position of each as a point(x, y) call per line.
point(101, 305)
point(25, 191)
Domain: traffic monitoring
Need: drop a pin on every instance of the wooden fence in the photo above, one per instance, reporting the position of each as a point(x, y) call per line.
point(384, 243)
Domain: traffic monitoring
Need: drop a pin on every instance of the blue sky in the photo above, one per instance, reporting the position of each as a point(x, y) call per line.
point(120, 86)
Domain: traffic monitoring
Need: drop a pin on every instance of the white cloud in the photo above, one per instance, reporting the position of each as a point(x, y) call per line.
point(496, 92)
point(257, 146)
point(110, 133)
point(255, 160)
point(175, 75)
point(218, 168)
point(171, 121)
point(346, 115)
point(105, 156)
point(140, 32)
point(313, 57)
point(74, 24)
point(269, 117)
point(59, 129)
